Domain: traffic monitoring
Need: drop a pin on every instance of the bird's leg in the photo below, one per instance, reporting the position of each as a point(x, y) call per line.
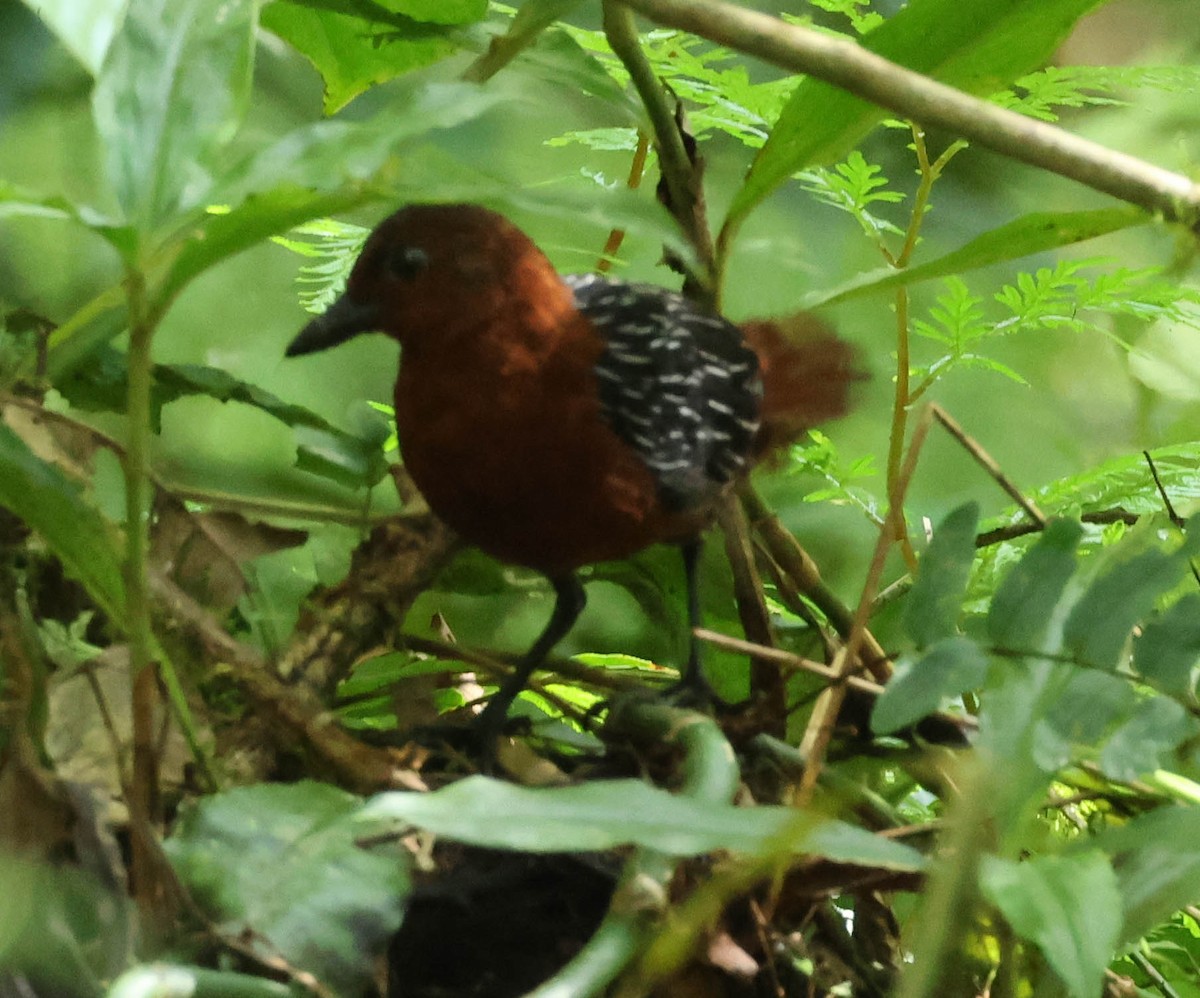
point(693, 684)
point(569, 602)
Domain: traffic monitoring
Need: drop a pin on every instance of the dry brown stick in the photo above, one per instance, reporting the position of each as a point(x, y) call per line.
point(765, 681)
point(988, 463)
point(791, 557)
point(295, 718)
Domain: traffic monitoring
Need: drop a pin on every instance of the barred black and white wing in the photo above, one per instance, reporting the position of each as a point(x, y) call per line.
point(677, 383)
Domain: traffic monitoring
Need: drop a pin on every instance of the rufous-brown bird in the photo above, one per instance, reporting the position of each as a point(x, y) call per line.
point(556, 421)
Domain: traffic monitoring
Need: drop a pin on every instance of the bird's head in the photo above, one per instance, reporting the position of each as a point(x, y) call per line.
point(431, 270)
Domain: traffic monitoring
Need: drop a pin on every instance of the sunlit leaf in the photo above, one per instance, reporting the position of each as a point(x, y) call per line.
point(85, 27)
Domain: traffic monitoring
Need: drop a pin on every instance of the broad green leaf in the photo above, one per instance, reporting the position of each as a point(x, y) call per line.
point(921, 682)
point(51, 504)
point(977, 46)
point(1069, 906)
point(352, 54)
point(1157, 859)
point(611, 813)
point(1029, 234)
point(329, 155)
point(173, 89)
point(61, 926)
point(1168, 649)
point(85, 27)
point(1147, 741)
point(1024, 604)
point(1121, 595)
point(280, 864)
point(932, 609)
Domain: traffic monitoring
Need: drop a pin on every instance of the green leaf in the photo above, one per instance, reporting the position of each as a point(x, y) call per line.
point(331, 155)
point(977, 46)
point(1024, 236)
point(279, 864)
point(352, 459)
point(932, 609)
point(920, 684)
point(1168, 649)
point(1147, 741)
point(1157, 859)
point(611, 813)
point(61, 926)
point(173, 90)
point(1024, 604)
point(1069, 906)
point(53, 505)
point(353, 54)
point(85, 27)
point(1120, 596)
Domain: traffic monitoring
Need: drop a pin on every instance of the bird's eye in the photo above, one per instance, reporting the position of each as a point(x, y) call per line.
point(407, 262)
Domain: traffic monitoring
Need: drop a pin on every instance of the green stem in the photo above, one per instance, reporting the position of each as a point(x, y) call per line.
point(143, 791)
point(676, 165)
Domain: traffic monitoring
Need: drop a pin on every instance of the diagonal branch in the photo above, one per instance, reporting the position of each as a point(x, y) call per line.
point(907, 93)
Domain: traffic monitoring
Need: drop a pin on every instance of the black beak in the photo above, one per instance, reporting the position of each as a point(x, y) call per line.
point(343, 319)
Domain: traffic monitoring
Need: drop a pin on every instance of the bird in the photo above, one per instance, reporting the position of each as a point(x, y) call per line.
point(557, 420)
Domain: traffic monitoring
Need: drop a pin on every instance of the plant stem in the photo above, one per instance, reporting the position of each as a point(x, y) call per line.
point(143, 791)
point(681, 176)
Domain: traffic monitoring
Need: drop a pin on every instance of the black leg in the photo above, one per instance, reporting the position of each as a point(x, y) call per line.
point(569, 602)
point(693, 680)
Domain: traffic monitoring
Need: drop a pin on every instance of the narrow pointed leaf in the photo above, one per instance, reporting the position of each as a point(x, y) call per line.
point(612, 813)
point(1024, 236)
point(1026, 600)
point(85, 27)
point(933, 606)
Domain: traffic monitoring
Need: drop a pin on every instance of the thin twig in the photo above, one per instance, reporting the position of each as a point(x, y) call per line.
point(988, 463)
point(678, 171)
